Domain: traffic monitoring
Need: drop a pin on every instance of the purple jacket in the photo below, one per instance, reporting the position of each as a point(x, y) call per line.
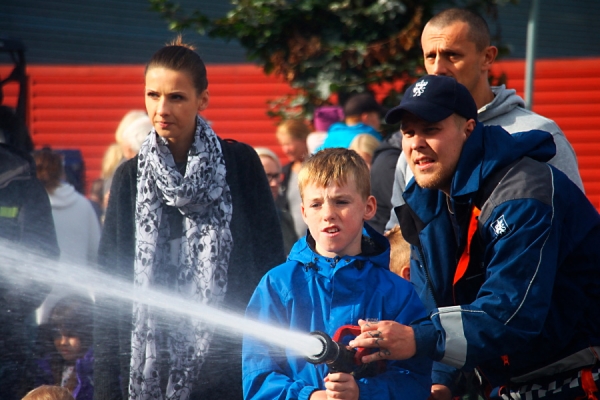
point(84, 370)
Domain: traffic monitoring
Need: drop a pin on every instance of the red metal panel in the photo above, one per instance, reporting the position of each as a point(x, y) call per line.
point(81, 106)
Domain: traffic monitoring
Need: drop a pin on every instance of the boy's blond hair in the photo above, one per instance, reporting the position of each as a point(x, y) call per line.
point(47, 392)
point(399, 251)
point(334, 166)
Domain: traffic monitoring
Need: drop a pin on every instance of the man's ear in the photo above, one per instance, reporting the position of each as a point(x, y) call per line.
point(203, 103)
point(470, 127)
point(489, 56)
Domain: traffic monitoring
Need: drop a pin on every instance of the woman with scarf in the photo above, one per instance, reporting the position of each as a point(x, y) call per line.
point(193, 215)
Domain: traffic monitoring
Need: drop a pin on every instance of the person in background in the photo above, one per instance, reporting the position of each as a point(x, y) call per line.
point(191, 215)
point(362, 114)
point(66, 353)
point(383, 169)
point(76, 222)
point(272, 167)
point(323, 118)
point(49, 392)
point(399, 253)
point(338, 272)
point(112, 159)
point(134, 134)
point(456, 43)
point(505, 255)
point(365, 145)
point(115, 155)
point(26, 224)
point(96, 197)
point(291, 135)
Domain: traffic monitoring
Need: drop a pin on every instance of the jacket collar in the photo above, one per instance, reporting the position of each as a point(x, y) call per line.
point(376, 250)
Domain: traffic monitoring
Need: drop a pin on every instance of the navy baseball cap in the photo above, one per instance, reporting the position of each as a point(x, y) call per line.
point(434, 98)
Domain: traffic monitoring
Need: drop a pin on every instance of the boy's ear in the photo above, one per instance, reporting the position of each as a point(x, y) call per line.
point(370, 208)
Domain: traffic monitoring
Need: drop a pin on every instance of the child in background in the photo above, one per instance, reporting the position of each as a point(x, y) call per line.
point(335, 275)
point(399, 253)
point(365, 145)
point(47, 392)
point(67, 359)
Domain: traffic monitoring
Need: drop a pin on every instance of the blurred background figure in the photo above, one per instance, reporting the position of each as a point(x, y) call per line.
point(96, 197)
point(365, 145)
point(383, 170)
point(76, 222)
point(291, 135)
point(323, 118)
point(362, 114)
point(272, 167)
point(25, 224)
point(113, 157)
point(134, 135)
point(65, 354)
point(115, 153)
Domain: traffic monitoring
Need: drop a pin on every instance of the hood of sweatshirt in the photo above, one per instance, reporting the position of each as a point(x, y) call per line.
point(505, 100)
point(64, 196)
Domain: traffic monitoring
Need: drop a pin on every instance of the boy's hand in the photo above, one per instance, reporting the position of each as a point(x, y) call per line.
point(341, 386)
point(395, 341)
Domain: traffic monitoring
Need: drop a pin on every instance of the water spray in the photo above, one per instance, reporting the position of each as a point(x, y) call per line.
point(21, 268)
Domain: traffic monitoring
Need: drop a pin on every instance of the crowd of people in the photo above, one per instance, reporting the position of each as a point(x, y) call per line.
point(460, 251)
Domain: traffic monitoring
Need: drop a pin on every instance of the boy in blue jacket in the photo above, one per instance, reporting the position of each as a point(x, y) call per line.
point(334, 276)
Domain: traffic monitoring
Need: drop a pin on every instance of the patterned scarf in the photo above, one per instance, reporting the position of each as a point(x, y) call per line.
point(197, 273)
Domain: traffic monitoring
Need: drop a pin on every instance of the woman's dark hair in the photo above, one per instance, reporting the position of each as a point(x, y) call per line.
point(178, 56)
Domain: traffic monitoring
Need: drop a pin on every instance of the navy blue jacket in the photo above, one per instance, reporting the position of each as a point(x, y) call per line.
point(533, 284)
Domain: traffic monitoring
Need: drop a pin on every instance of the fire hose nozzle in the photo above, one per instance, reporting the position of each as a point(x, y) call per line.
point(337, 356)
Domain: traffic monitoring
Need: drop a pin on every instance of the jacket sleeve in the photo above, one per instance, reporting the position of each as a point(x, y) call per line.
point(265, 370)
point(115, 258)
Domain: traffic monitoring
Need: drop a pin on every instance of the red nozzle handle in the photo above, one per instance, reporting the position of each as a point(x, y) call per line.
point(355, 331)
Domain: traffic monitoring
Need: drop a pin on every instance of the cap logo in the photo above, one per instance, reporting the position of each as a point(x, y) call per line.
point(419, 88)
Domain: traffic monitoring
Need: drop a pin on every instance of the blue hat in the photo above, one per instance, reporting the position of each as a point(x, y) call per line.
point(434, 98)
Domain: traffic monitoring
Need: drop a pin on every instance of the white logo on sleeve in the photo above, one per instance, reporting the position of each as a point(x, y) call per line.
point(500, 227)
point(419, 88)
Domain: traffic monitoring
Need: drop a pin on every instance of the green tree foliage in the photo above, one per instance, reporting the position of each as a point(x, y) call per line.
point(322, 48)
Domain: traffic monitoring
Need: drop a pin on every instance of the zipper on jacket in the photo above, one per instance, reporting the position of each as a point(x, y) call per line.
point(427, 276)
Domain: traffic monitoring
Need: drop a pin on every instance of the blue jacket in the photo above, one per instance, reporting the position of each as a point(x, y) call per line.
point(311, 292)
point(532, 287)
point(341, 135)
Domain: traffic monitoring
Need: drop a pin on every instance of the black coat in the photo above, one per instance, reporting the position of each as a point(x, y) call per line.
point(383, 169)
point(26, 224)
point(257, 247)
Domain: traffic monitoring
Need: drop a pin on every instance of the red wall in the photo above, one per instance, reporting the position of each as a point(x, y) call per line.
point(81, 106)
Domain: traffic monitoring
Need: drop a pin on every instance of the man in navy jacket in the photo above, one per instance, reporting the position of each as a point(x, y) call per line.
point(506, 251)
